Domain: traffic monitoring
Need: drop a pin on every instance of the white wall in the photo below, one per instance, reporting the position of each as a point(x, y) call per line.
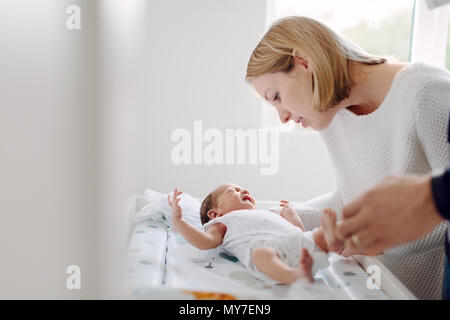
point(47, 149)
point(182, 61)
point(86, 118)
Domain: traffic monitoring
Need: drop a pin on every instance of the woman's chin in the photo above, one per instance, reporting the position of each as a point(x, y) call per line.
point(318, 126)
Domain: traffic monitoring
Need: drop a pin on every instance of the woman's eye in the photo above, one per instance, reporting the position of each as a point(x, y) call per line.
point(277, 97)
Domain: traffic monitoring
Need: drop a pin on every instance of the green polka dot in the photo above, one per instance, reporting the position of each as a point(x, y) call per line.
point(152, 226)
point(349, 273)
point(228, 257)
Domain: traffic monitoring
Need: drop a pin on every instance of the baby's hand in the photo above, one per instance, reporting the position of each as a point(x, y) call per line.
point(284, 203)
point(287, 209)
point(174, 204)
point(290, 214)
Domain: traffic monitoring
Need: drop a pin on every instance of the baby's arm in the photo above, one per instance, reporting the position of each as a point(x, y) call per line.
point(291, 215)
point(210, 239)
point(321, 234)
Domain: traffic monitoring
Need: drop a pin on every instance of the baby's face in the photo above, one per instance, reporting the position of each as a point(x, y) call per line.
point(231, 197)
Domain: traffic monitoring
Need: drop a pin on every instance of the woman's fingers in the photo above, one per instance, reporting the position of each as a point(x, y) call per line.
point(352, 208)
point(375, 249)
point(350, 226)
point(349, 251)
point(365, 242)
point(365, 238)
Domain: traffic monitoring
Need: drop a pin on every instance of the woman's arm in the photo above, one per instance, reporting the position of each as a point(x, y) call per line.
point(431, 116)
point(431, 119)
point(210, 239)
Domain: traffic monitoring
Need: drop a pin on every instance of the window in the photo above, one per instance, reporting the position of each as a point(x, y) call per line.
point(430, 31)
point(381, 27)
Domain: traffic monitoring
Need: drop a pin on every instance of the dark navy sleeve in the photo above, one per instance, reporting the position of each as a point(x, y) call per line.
point(440, 186)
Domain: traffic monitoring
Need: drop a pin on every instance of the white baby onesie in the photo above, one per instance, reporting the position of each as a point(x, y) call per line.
point(249, 229)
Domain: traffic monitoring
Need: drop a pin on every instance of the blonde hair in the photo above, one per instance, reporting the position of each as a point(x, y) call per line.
point(329, 55)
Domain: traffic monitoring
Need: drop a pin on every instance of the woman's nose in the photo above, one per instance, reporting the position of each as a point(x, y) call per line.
point(284, 115)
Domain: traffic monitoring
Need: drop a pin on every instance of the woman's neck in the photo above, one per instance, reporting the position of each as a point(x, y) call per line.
point(372, 83)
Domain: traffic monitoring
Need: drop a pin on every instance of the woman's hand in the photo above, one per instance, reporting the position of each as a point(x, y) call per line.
point(398, 210)
point(174, 204)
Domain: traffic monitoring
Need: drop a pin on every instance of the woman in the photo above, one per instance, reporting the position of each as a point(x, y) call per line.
point(377, 118)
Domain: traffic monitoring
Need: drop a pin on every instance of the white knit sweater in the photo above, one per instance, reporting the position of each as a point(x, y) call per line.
point(407, 134)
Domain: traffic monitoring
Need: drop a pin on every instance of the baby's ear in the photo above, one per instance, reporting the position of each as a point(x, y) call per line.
point(212, 213)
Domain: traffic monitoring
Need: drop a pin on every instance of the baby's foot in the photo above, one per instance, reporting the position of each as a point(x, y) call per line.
point(305, 266)
point(328, 221)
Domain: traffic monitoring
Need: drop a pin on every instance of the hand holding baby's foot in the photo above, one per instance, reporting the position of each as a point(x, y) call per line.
point(328, 221)
point(305, 266)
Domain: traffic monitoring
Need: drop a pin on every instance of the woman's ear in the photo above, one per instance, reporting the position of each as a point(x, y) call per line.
point(301, 59)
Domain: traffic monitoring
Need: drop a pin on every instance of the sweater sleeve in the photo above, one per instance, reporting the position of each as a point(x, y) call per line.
point(431, 116)
point(311, 210)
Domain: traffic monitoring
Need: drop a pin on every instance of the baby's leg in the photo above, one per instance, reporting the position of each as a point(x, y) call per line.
point(328, 233)
point(266, 260)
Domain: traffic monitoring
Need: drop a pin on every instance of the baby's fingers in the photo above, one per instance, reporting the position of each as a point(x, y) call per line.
point(176, 193)
point(284, 203)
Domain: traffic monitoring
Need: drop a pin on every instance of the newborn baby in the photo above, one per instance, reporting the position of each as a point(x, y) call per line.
point(273, 246)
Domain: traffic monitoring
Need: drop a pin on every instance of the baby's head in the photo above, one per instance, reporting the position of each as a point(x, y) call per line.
point(224, 199)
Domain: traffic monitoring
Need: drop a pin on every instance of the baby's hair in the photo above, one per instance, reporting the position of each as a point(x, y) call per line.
point(208, 203)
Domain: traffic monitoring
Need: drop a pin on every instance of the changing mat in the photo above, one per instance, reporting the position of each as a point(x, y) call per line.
point(162, 265)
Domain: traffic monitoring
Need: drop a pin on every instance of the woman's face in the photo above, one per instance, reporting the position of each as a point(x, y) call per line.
point(291, 95)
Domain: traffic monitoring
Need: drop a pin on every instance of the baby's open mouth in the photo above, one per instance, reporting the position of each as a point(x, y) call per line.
point(248, 198)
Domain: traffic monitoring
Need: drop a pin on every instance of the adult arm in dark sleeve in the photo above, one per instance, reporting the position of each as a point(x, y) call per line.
point(440, 186)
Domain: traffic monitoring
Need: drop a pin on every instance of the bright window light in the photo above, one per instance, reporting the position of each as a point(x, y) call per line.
point(382, 27)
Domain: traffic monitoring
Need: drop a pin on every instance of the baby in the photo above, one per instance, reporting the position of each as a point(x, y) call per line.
point(274, 247)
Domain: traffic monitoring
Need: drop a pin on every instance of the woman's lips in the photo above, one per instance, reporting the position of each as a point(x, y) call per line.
point(299, 121)
point(302, 123)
